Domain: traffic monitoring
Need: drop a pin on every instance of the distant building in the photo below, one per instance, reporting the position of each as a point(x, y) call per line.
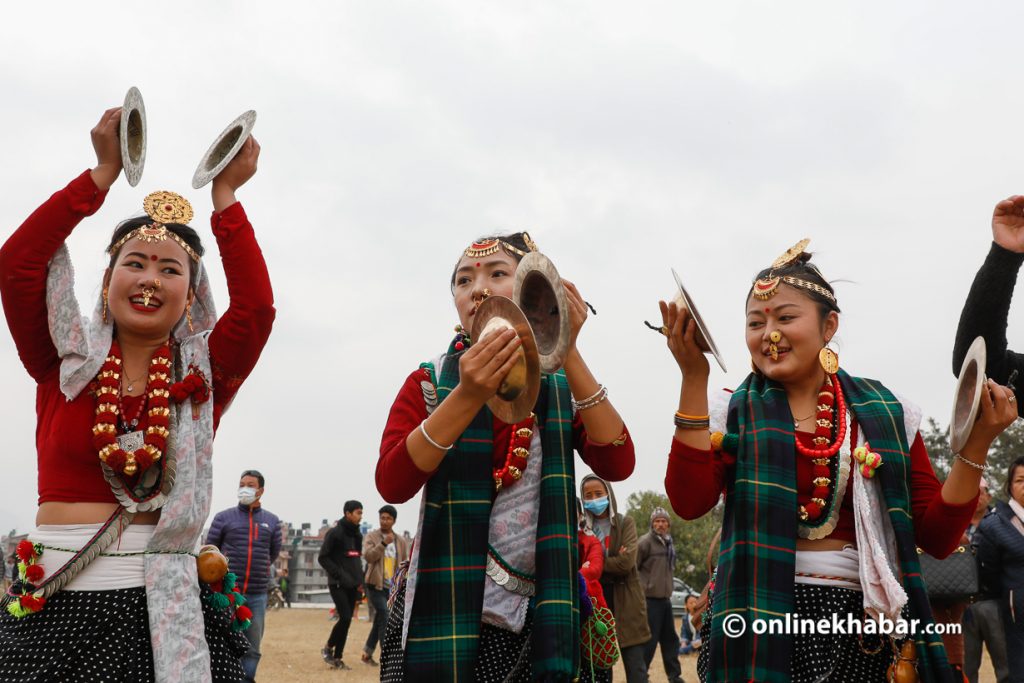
point(307, 580)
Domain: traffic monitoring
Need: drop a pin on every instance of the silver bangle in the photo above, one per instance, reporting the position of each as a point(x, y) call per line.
point(980, 468)
point(423, 431)
point(591, 401)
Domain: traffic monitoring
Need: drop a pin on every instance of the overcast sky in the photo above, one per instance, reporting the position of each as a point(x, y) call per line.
point(628, 138)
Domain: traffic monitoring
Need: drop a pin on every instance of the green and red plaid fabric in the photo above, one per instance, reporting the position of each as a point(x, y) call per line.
point(444, 630)
point(758, 548)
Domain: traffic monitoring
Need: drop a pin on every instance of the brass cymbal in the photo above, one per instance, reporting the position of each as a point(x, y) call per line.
point(518, 394)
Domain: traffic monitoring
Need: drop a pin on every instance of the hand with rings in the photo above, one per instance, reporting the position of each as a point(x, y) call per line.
point(998, 411)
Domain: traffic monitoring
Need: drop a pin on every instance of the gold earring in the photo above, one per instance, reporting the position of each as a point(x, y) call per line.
point(188, 316)
point(829, 360)
point(104, 304)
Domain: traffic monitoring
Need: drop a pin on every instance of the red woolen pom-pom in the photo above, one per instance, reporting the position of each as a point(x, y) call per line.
point(34, 573)
point(32, 603)
point(25, 550)
point(459, 346)
point(813, 510)
point(116, 460)
point(143, 460)
point(243, 613)
point(827, 399)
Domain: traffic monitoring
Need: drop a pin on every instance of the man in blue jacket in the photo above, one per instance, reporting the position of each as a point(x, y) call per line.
point(250, 537)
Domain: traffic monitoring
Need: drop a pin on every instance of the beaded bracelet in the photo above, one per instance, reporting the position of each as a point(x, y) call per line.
point(977, 466)
point(591, 401)
point(423, 431)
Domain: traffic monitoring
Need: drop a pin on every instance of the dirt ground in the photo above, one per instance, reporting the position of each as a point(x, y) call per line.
point(293, 637)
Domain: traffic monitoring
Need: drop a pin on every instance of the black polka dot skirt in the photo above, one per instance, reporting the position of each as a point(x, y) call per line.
point(822, 657)
point(503, 656)
point(101, 636)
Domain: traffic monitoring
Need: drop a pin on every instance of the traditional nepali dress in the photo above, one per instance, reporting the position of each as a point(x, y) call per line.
point(134, 613)
point(491, 592)
point(759, 576)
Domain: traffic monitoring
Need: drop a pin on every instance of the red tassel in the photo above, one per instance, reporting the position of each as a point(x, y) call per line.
point(34, 573)
point(116, 460)
point(143, 460)
point(32, 603)
point(25, 550)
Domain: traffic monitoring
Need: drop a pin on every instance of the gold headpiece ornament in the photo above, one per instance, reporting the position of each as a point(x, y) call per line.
point(766, 287)
point(162, 207)
point(491, 246)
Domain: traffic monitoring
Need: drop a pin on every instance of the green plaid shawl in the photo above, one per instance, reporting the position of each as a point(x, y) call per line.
point(756, 568)
point(445, 626)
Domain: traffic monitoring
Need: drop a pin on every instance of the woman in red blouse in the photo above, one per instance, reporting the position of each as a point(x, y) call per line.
point(492, 565)
point(827, 484)
point(127, 403)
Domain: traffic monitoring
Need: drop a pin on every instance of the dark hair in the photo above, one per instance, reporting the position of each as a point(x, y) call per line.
point(516, 239)
point(190, 236)
point(352, 506)
point(803, 269)
point(389, 509)
point(253, 473)
point(1019, 462)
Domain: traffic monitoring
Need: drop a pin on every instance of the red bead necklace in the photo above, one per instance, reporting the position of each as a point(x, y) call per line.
point(516, 458)
point(104, 430)
point(830, 402)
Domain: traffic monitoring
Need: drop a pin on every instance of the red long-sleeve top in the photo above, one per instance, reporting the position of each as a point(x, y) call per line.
point(695, 479)
point(69, 469)
point(398, 477)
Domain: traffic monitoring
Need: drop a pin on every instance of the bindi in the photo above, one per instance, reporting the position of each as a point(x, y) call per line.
point(767, 309)
point(477, 265)
point(153, 257)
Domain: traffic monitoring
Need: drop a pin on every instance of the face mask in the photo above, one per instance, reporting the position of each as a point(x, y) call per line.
point(246, 495)
point(597, 505)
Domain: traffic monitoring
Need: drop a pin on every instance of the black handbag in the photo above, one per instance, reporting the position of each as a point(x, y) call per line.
point(954, 579)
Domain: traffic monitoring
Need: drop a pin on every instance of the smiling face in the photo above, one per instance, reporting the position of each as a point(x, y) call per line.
point(494, 273)
point(801, 334)
point(159, 268)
